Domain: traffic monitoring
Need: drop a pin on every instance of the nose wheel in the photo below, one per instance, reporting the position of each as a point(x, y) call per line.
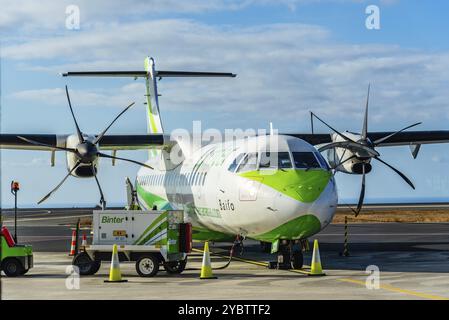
point(290, 256)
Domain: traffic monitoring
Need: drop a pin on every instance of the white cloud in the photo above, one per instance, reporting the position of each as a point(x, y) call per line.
point(83, 98)
point(282, 68)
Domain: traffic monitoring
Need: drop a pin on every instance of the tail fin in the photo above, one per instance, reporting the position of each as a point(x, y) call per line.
point(150, 74)
point(154, 122)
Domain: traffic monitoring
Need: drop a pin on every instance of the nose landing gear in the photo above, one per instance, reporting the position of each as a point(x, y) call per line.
point(289, 256)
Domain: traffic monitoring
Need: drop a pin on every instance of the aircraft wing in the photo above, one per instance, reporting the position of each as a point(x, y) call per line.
point(108, 142)
point(399, 139)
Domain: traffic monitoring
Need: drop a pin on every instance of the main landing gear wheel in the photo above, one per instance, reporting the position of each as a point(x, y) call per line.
point(147, 266)
point(85, 264)
point(175, 267)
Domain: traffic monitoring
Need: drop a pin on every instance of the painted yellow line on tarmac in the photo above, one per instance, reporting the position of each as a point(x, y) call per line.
point(399, 290)
point(300, 271)
point(257, 263)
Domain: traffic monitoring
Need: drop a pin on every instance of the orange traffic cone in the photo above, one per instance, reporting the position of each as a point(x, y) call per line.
point(84, 242)
point(73, 244)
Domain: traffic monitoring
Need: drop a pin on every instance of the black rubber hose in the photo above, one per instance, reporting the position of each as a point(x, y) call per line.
point(231, 254)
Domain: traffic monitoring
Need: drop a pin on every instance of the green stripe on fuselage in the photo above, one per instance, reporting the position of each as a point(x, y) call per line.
point(152, 200)
point(298, 228)
point(203, 234)
point(301, 185)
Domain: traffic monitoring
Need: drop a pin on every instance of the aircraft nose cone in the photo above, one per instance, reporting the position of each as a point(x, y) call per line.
point(310, 184)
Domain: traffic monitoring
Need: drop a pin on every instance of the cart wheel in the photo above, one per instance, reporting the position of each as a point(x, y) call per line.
point(147, 265)
point(85, 264)
point(12, 267)
point(24, 271)
point(175, 267)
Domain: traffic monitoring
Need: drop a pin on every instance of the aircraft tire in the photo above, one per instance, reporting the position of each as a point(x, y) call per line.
point(176, 267)
point(297, 260)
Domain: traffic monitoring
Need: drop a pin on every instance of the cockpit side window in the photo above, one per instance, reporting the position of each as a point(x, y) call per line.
point(249, 163)
point(305, 160)
point(275, 160)
point(322, 161)
point(236, 162)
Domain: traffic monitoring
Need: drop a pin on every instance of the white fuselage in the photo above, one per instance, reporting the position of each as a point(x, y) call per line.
point(246, 200)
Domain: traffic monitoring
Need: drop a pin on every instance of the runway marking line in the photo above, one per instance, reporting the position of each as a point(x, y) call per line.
point(398, 290)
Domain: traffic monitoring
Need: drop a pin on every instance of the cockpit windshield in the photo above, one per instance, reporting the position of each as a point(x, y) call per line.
point(249, 163)
point(305, 160)
point(278, 160)
point(275, 160)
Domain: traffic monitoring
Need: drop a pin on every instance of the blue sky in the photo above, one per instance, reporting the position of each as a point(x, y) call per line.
point(291, 56)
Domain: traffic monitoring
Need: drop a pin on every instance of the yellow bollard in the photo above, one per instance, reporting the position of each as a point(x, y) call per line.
point(316, 269)
point(114, 273)
point(206, 268)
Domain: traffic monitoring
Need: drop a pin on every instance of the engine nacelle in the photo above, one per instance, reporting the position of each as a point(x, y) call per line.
point(341, 155)
point(83, 170)
point(353, 166)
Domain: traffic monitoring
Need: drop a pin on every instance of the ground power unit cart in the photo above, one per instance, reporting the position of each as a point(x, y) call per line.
point(149, 238)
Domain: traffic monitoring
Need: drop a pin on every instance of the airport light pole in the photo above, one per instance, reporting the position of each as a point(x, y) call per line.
point(15, 187)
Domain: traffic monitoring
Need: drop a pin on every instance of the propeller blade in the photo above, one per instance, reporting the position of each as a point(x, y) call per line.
point(344, 161)
point(352, 209)
point(78, 131)
point(397, 171)
point(350, 145)
point(36, 143)
point(365, 120)
point(378, 141)
point(362, 193)
point(98, 184)
point(337, 132)
point(100, 136)
point(104, 155)
point(311, 122)
point(60, 184)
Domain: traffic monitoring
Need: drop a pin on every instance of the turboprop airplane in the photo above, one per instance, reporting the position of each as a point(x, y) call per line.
point(276, 188)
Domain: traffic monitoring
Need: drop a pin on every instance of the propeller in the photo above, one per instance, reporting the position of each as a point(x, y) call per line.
point(86, 151)
point(60, 184)
point(363, 149)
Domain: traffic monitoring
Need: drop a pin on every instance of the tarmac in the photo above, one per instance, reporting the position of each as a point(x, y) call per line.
point(412, 259)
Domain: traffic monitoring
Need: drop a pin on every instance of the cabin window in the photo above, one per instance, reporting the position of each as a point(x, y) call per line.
point(279, 160)
point(249, 163)
point(305, 160)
